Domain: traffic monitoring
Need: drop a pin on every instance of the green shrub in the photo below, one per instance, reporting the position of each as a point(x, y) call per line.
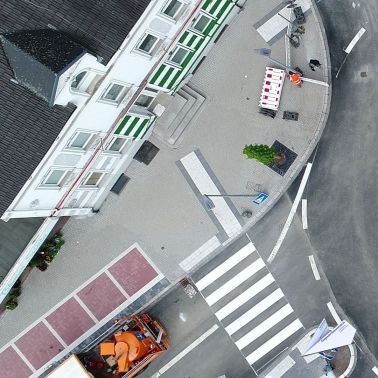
point(260, 152)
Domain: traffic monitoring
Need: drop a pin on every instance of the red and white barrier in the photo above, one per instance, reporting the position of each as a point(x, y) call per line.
point(272, 88)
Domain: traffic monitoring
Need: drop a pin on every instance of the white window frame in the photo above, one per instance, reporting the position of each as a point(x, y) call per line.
point(151, 92)
point(61, 181)
point(81, 82)
point(172, 18)
point(188, 50)
point(87, 177)
point(144, 52)
point(74, 136)
point(197, 18)
point(113, 140)
point(86, 82)
point(122, 93)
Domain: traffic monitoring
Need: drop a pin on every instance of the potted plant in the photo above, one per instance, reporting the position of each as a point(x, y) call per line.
point(11, 303)
point(264, 154)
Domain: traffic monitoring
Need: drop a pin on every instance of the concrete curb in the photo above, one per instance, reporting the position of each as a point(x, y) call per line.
point(310, 148)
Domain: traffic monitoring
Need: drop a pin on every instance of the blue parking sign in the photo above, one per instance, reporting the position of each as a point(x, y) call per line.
point(260, 198)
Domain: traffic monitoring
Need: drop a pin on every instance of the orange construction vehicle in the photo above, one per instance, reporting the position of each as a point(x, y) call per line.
point(125, 351)
point(130, 351)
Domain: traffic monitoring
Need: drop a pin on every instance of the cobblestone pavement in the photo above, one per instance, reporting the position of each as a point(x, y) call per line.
point(159, 209)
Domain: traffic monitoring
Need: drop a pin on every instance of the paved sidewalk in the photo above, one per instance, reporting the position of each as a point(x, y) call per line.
point(160, 208)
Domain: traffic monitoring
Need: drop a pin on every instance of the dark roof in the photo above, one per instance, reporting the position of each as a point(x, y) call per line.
point(28, 126)
point(39, 57)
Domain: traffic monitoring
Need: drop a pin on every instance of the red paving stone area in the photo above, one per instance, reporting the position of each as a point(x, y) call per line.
point(70, 321)
point(12, 365)
point(101, 296)
point(39, 345)
point(133, 272)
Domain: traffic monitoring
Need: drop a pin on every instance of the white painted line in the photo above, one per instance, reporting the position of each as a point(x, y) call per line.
point(116, 283)
point(265, 326)
point(21, 355)
point(225, 266)
point(188, 349)
point(245, 297)
point(282, 368)
point(313, 81)
point(254, 311)
point(276, 340)
point(56, 334)
point(356, 38)
point(235, 281)
point(375, 370)
point(314, 267)
point(333, 312)
point(205, 185)
point(304, 214)
point(85, 308)
point(200, 254)
point(292, 213)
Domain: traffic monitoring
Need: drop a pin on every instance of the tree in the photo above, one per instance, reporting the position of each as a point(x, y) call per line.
point(260, 152)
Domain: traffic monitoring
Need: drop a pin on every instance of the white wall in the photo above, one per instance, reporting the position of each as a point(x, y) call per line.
point(127, 66)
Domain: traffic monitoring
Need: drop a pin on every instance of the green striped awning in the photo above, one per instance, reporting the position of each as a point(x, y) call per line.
point(133, 126)
point(216, 7)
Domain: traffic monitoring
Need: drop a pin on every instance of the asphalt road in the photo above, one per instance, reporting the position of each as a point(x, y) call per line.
point(342, 191)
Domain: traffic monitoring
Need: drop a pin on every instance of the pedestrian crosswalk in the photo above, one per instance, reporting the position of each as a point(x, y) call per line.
point(248, 302)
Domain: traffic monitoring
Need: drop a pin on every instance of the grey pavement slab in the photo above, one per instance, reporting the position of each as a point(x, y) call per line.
point(158, 209)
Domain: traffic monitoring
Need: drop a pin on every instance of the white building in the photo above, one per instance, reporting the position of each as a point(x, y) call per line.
point(84, 109)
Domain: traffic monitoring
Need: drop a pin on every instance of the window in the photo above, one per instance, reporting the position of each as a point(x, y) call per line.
point(172, 8)
point(148, 43)
point(80, 140)
point(78, 79)
point(201, 23)
point(113, 92)
point(93, 179)
point(178, 55)
point(144, 100)
point(56, 177)
point(117, 144)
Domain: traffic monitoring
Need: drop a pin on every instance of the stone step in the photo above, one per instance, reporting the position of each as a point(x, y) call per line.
point(189, 113)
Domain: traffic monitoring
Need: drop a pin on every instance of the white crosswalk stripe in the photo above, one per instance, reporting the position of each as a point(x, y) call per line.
point(252, 308)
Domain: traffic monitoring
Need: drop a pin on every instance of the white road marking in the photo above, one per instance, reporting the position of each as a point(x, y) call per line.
point(282, 368)
point(292, 213)
point(276, 340)
point(234, 282)
point(254, 311)
point(375, 370)
point(225, 266)
point(314, 267)
point(245, 297)
point(313, 81)
point(188, 349)
point(333, 312)
point(265, 326)
point(304, 214)
point(205, 185)
point(356, 38)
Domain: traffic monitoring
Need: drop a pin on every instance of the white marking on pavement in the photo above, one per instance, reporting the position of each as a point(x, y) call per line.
point(265, 326)
point(323, 83)
point(85, 308)
point(276, 340)
point(355, 39)
point(225, 266)
point(375, 370)
point(205, 185)
point(234, 282)
point(188, 349)
point(56, 334)
point(333, 312)
point(254, 311)
point(314, 267)
point(200, 254)
point(304, 214)
point(245, 297)
point(21, 355)
point(292, 213)
point(282, 368)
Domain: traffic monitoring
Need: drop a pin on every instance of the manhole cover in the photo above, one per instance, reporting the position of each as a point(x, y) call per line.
point(363, 74)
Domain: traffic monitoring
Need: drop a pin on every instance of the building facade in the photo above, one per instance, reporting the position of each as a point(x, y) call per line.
point(101, 105)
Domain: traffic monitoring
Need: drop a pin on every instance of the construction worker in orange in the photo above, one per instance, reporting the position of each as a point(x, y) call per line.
point(295, 78)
